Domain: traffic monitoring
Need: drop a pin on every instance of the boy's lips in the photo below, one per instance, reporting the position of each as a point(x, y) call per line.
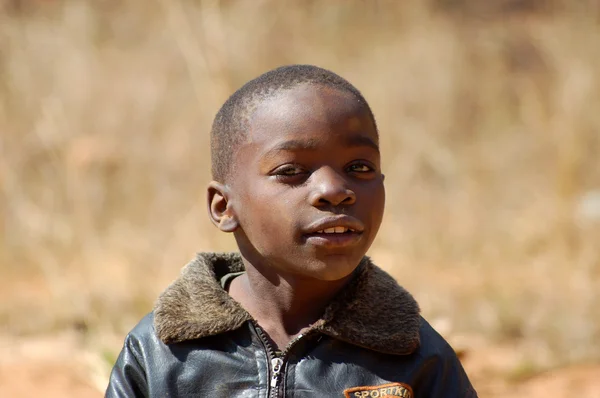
point(335, 231)
point(325, 223)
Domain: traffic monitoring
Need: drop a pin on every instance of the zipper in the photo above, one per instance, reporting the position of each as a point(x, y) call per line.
point(276, 359)
point(276, 365)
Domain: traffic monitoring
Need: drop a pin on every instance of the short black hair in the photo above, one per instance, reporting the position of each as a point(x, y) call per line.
point(231, 123)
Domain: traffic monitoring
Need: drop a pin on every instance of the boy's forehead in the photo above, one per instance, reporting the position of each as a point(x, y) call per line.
point(309, 108)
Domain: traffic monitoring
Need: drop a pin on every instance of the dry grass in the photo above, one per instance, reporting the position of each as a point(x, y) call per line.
point(491, 138)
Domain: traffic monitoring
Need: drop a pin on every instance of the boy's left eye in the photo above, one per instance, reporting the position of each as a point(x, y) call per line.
point(360, 168)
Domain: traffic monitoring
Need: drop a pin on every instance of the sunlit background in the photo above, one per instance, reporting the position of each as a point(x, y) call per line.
point(489, 116)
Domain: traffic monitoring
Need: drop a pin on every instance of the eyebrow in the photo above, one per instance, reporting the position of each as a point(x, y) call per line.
point(361, 140)
point(352, 141)
point(295, 145)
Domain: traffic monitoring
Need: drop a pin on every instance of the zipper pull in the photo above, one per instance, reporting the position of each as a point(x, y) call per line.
point(276, 364)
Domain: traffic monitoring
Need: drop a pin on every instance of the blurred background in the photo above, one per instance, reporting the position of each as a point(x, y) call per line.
point(489, 116)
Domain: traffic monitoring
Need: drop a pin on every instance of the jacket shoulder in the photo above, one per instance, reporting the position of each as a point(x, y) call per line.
point(432, 343)
point(144, 328)
point(142, 341)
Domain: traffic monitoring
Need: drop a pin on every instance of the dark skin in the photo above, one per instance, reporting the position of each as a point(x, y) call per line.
point(304, 200)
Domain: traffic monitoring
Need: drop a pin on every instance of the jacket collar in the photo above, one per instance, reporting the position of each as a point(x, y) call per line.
point(373, 311)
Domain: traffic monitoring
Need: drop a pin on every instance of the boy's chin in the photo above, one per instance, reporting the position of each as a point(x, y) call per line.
point(333, 268)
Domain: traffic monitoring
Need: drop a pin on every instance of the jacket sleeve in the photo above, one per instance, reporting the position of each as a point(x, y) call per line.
point(441, 374)
point(128, 377)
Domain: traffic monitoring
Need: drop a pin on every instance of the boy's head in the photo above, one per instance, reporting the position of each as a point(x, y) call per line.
point(297, 172)
point(231, 125)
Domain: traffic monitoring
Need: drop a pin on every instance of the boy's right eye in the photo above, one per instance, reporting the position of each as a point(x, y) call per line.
point(289, 173)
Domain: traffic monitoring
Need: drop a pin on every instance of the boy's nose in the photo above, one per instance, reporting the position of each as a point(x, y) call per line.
point(330, 188)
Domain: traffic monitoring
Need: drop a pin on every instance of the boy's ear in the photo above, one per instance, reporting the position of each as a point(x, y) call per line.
point(220, 210)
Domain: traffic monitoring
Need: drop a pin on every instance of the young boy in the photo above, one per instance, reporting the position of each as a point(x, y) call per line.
point(300, 311)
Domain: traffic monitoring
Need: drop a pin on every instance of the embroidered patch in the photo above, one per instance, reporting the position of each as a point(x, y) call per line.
point(384, 390)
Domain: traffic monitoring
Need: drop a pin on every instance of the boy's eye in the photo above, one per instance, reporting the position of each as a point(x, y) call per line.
point(360, 168)
point(287, 171)
point(290, 174)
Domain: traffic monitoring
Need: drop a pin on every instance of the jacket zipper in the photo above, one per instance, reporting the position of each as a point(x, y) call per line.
point(276, 365)
point(276, 360)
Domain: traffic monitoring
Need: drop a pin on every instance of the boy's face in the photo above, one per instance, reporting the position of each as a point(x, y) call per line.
point(310, 167)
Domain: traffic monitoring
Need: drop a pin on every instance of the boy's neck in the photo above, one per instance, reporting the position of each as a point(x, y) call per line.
point(283, 305)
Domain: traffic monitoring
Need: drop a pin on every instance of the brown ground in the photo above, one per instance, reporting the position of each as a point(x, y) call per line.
point(59, 366)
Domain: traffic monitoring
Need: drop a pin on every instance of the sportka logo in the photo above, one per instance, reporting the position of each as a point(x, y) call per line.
point(384, 390)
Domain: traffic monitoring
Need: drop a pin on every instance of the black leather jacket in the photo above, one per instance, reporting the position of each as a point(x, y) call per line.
point(370, 342)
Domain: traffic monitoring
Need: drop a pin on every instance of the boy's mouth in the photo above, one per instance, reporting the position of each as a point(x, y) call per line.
point(326, 239)
point(335, 232)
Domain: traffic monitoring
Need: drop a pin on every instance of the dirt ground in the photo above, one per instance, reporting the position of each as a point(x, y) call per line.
point(60, 366)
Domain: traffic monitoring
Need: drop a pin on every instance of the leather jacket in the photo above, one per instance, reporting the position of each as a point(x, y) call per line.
point(370, 342)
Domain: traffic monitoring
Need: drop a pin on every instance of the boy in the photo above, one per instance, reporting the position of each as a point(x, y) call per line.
point(300, 311)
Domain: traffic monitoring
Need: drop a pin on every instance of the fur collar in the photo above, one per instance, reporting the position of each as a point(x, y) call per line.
point(373, 311)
